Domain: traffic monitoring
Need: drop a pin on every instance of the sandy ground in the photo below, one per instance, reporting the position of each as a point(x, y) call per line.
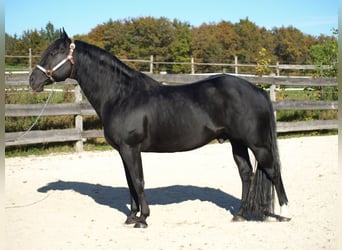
point(80, 201)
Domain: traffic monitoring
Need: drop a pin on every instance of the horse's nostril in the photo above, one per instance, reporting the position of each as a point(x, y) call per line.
point(31, 80)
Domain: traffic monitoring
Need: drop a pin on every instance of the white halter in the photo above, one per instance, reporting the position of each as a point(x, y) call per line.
point(49, 72)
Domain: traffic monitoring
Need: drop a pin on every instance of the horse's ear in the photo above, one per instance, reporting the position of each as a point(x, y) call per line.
point(63, 35)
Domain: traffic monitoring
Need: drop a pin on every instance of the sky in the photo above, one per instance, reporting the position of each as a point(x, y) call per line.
point(312, 17)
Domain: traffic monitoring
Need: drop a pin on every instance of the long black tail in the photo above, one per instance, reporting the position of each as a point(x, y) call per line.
point(278, 182)
point(260, 199)
point(274, 142)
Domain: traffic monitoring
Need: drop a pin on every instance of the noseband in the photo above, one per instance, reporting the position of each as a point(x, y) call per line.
point(49, 72)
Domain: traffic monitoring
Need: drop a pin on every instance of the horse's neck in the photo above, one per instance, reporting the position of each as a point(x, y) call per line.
point(102, 77)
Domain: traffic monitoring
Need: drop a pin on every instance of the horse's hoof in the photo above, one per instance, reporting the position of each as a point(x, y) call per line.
point(238, 218)
point(283, 219)
point(131, 220)
point(140, 225)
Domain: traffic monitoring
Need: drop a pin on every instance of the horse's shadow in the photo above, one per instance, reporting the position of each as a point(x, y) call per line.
point(118, 197)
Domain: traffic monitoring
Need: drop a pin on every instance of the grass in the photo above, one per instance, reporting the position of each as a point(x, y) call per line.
point(9, 67)
point(326, 93)
point(55, 147)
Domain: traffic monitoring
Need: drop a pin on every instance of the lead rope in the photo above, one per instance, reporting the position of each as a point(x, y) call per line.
point(38, 117)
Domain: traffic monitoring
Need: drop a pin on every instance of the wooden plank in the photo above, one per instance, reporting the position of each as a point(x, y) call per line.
point(16, 110)
point(298, 81)
point(21, 110)
point(95, 133)
point(299, 66)
point(294, 81)
point(24, 80)
point(42, 136)
point(87, 109)
point(306, 125)
point(277, 80)
point(177, 78)
point(305, 105)
point(296, 67)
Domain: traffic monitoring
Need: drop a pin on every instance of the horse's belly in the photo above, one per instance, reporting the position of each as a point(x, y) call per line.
point(178, 140)
point(174, 147)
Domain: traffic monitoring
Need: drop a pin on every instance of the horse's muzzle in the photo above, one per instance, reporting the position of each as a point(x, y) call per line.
point(37, 81)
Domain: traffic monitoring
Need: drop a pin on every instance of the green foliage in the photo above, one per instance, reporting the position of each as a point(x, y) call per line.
point(325, 53)
point(34, 39)
point(291, 45)
point(249, 40)
point(309, 93)
point(143, 37)
point(263, 62)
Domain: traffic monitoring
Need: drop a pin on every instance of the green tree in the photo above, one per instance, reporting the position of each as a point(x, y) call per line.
point(250, 40)
point(11, 49)
point(34, 39)
point(180, 47)
point(325, 54)
point(139, 38)
point(292, 46)
point(214, 43)
point(49, 34)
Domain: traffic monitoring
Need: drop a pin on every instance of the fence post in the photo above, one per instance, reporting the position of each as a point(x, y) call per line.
point(30, 60)
point(192, 66)
point(236, 65)
point(273, 97)
point(277, 69)
point(78, 119)
point(151, 64)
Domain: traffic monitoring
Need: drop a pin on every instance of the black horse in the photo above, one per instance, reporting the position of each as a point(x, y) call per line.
point(141, 115)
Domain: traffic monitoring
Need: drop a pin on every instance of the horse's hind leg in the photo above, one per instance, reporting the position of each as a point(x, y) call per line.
point(241, 157)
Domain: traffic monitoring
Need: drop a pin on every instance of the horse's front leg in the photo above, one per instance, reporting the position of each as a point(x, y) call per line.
point(131, 157)
point(132, 217)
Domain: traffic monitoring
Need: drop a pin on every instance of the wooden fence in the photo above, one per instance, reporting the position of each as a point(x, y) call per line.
point(152, 64)
point(82, 108)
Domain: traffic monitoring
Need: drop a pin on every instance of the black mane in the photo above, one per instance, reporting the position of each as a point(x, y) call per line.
point(111, 65)
point(102, 70)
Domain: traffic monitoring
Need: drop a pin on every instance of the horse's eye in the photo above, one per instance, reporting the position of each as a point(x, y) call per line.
point(62, 50)
point(53, 53)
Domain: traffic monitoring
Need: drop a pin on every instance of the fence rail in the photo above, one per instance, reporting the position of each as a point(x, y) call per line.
point(81, 108)
point(191, 62)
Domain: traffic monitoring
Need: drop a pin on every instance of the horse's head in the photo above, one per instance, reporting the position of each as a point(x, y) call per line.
point(56, 64)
